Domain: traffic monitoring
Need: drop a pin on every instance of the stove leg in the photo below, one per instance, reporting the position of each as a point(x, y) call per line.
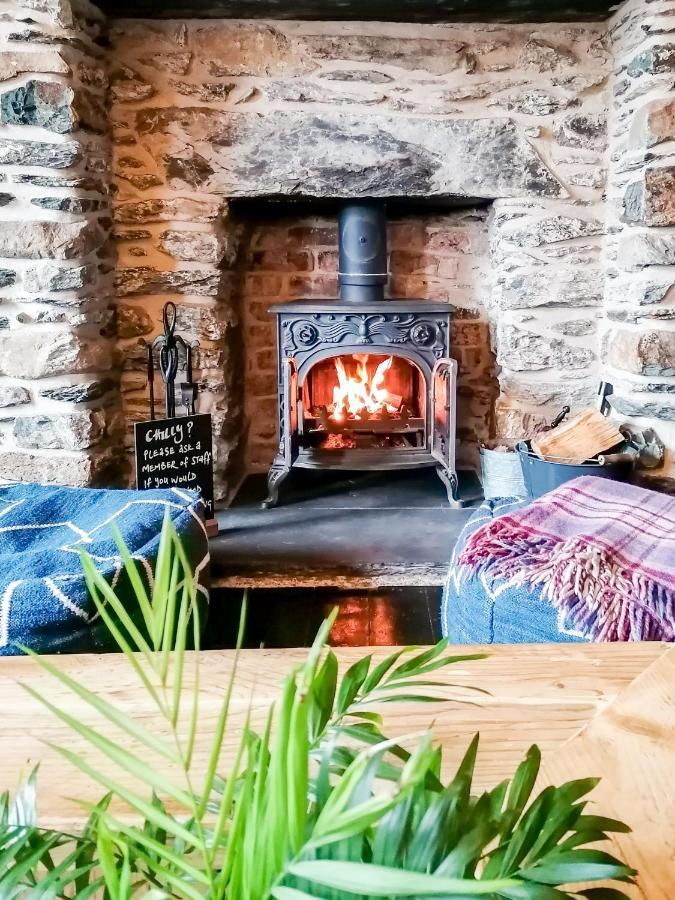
point(451, 483)
point(276, 475)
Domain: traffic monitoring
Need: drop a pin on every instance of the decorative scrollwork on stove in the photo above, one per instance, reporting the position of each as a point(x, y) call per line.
point(423, 333)
point(301, 334)
point(306, 334)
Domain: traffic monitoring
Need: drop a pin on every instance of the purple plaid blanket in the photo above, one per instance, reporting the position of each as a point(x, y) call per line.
point(603, 553)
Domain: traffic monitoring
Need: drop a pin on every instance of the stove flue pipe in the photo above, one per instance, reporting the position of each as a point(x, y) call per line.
point(363, 252)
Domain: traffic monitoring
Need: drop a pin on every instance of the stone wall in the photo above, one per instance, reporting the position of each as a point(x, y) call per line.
point(561, 259)
point(57, 384)
point(204, 112)
point(639, 332)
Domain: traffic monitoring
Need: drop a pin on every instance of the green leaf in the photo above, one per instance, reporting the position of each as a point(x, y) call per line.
point(384, 881)
point(160, 591)
point(288, 893)
point(600, 823)
point(107, 860)
point(381, 669)
point(352, 682)
point(576, 866)
point(413, 665)
point(324, 687)
point(159, 854)
point(95, 579)
point(315, 651)
point(221, 723)
point(521, 787)
point(146, 774)
point(526, 891)
point(328, 807)
point(397, 698)
point(148, 810)
point(131, 571)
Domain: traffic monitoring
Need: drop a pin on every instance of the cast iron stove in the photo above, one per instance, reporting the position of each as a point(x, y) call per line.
point(364, 383)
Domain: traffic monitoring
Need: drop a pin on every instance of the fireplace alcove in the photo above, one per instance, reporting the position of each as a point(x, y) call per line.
point(400, 411)
point(437, 265)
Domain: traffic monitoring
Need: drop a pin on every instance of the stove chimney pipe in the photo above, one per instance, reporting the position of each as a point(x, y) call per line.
point(363, 252)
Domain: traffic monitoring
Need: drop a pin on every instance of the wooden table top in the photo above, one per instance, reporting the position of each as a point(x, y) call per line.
point(606, 709)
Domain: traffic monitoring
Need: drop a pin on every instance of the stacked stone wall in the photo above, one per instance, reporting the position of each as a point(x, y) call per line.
point(58, 392)
point(639, 331)
point(204, 112)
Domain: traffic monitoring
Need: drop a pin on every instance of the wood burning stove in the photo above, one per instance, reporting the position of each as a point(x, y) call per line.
point(364, 383)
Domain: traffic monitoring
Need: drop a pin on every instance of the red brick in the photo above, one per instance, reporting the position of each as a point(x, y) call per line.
point(327, 260)
point(261, 384)
point(264, 285)
point(449, 267)
point(470, 358)
point(300, 260)
point(406, 235)
point(270, 237)
point(258, 310)
point(261, 455)
point(448, 241)
point(470, 334)
point(464, 313)
point(263, 434)
point(404, 262)
point(266, 359)
point(418, 286)
point(288, 261)
point(312, 286)
point(314, 235)
point(261, 334)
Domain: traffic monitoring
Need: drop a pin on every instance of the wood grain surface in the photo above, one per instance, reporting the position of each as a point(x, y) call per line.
point(631, 744)
point(603, 709)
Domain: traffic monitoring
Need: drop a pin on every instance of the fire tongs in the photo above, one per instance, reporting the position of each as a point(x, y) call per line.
point(169, 345)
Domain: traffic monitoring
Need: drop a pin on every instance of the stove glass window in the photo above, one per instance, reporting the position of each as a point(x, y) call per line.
point(364, 401)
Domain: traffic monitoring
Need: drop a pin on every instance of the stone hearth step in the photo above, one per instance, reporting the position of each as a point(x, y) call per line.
point(348, 530)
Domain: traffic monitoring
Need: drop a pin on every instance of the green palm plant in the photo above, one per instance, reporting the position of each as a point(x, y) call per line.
point(319, 804)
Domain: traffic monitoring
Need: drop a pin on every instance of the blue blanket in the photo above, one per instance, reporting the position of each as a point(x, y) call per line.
point(44, 602)
point(484, 609)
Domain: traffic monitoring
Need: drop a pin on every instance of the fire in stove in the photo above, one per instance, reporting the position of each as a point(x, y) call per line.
point(365, 396)
point(363, 400)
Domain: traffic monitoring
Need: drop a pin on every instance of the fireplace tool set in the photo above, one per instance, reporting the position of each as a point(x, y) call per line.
point(171, 346)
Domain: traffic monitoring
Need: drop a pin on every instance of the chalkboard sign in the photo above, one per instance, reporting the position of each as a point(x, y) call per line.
point(176, 453)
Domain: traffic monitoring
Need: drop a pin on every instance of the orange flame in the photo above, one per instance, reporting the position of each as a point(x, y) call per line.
point(352, 397)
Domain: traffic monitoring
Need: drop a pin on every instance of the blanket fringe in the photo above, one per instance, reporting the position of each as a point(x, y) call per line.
point(597, 595)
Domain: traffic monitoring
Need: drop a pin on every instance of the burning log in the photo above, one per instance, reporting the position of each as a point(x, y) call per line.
point(395, 400)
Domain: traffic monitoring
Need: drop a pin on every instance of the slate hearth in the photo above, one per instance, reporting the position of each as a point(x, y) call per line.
point(349, 530)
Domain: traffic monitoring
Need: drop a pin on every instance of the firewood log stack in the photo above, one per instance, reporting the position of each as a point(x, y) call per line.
point(579, 439)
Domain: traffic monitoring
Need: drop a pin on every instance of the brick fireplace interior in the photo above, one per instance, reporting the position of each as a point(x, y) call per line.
point(527, 166)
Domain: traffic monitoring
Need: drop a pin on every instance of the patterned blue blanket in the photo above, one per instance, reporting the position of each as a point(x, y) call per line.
point(481, 608)
point(44, 602)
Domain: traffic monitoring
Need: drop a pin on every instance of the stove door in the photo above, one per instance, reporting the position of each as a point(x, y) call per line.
point(444, 390)
point(289, 413)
